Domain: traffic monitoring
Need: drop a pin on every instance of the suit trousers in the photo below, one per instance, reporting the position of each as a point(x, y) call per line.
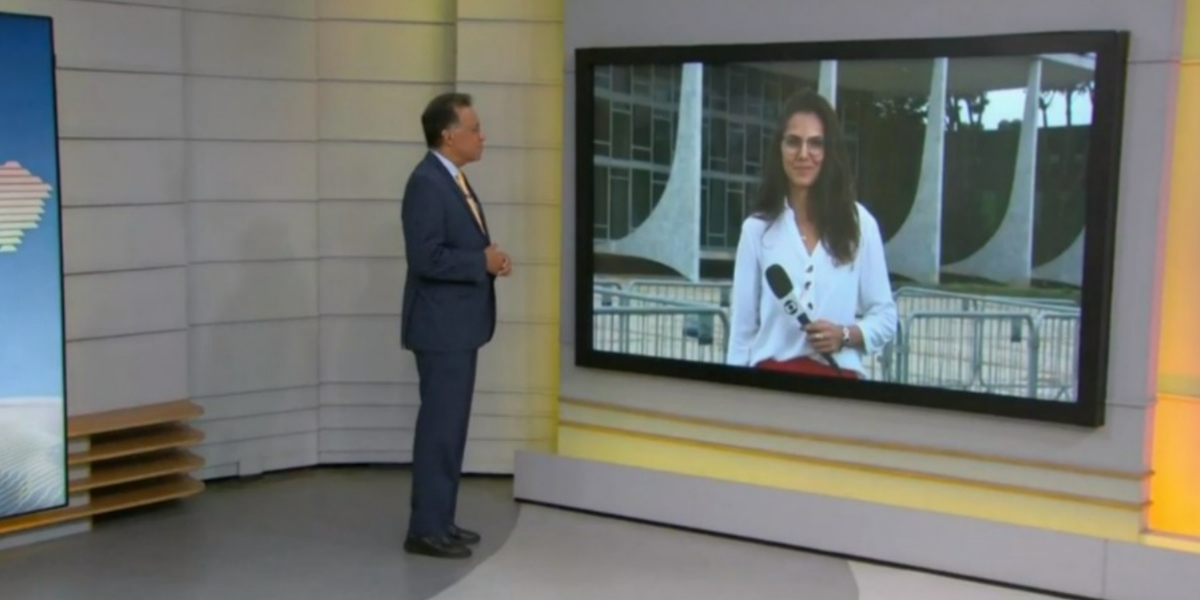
point(447, 384)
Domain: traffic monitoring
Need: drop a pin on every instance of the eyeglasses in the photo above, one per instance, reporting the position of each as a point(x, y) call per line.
point(795, 144)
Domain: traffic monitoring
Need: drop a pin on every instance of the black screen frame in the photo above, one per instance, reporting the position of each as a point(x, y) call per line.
point(1102, 184)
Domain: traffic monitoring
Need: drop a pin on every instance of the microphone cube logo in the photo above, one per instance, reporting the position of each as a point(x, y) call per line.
point(791, 306)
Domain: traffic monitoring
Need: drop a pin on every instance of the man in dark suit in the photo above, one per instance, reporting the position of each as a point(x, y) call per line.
point(449, 313)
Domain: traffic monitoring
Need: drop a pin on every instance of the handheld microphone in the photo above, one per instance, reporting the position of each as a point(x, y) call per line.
point(781, 286)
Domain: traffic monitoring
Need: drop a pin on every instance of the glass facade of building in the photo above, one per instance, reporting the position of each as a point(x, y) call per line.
point(636, 121)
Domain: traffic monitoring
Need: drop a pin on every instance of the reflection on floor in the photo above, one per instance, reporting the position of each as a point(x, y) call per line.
point(555, 554)
point(885, 583)
point(322, 534)
point(336, 533)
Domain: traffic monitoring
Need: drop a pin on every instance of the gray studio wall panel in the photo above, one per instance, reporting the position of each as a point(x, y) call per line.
point(124, 303)
point(252, 230)
point(298, 9)
point(106, 105)
point(120, 238)
point(232, 46)
point(251, 109)
point(244, 231)
point(120, 172)
point(365, 170)
point(135, 37)
point(244, 171)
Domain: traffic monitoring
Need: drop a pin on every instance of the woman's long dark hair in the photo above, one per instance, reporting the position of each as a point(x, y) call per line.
point(831, 200)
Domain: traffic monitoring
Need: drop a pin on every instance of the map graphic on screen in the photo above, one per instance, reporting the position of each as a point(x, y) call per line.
point(33, 472)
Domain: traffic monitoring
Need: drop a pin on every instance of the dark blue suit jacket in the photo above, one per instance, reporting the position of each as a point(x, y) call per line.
point(449, 296)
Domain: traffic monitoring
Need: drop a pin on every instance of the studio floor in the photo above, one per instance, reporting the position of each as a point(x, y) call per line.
point(337, 534)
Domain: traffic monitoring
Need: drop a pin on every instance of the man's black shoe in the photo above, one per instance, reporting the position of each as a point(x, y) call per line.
point(436, 547)
point(464, 536)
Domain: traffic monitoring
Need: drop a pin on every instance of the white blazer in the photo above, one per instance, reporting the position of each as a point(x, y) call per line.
point(858, 292)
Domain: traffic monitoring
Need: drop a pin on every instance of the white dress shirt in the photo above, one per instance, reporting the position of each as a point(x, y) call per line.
point(451, 167)
point(855, 293)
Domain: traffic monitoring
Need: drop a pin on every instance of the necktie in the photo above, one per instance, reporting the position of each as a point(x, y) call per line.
point(462, 184)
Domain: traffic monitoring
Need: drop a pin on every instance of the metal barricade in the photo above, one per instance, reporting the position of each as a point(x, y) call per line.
point(643, 324)
point(996, 344)
point(914, 299)
point(1058, 357)
point(605, 299)
point(986, 352)
point(1018, 346)
point(707, 292)
point(700, 325)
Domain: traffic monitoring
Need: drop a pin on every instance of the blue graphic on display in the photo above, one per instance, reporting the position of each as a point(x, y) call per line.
point(32, 402)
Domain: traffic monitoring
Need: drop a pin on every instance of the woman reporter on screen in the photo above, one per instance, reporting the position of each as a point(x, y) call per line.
point(808, 235)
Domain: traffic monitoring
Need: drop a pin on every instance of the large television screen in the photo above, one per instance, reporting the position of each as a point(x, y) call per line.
point(926, 222)
point(33, 473)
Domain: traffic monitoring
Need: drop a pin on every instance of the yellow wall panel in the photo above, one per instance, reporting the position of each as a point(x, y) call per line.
point(375, 111)
point(700, 460)
point(1172, 543)
point(1179, 343)
point(432, 11)
point(400, 52)
point(517, 359)
point(520, 116)
point(510, 52)
point(523, 10)
point(1175, 450)
point(523, 230)
point(1175, 487)
point(509, 55)
point(855, 454)
point(526, 292)
point(1191, 31)
point(519, 175)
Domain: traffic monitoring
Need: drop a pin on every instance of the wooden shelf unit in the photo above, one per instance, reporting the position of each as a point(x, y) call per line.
point(133, 457)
